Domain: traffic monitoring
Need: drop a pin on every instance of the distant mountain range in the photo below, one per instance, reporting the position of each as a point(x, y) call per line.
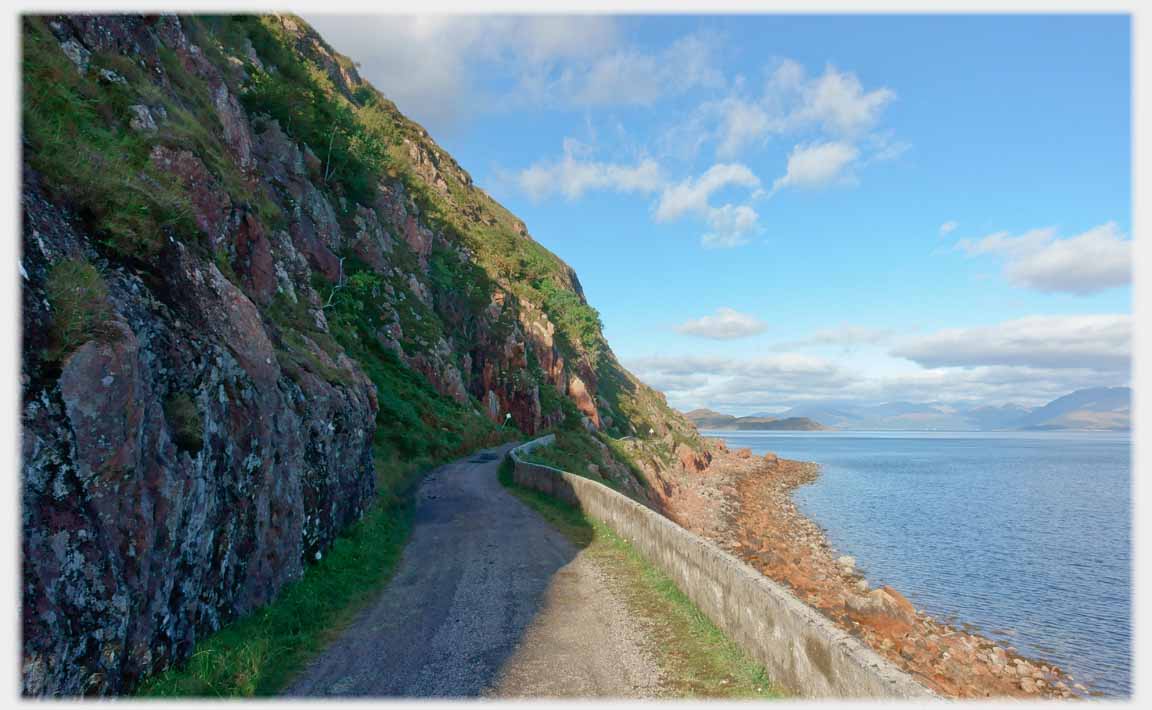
point(1098, 408)
point(708, 419)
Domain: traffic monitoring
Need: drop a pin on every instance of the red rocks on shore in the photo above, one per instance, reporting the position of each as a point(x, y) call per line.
point(744, 504)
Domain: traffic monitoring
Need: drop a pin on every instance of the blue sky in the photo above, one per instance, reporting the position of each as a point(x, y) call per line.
point(771, 209)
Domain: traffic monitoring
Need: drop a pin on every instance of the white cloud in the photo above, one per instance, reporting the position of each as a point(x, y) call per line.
point(573, 175)
point(834, 103)
point(787, 77)
point(630, 76)
point(1095, 260)
point(576, 173)
point(817, 165)
point(1028, 361)
point(992, 385)
point(741, 124)
point(775, 366)
point(428, 64)
point(729, 225)
point(541, 38)
point(881, 146)
point(846, 336)
point(692, 195)
point(743, 386)
point(733, 383)
point(1091, 342)
point(726, 324)
point(838, 102)
point(948, 227)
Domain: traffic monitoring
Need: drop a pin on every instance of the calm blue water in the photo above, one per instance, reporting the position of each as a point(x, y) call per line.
point(1024, 536)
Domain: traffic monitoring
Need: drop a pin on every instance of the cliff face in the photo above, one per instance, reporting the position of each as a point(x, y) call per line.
point(250, 288)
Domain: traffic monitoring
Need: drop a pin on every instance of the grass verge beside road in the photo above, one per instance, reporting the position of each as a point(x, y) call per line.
point(700, 661)
point(258, 654)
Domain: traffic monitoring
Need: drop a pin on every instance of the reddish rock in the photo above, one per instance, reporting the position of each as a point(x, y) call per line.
point(780, 542)
point(318, 254)
point(899, 601)
point(540, 332)
point(419, 238)
point(578, 393)
point(371, 243)
point(211, 206)
point(135, 546)
point(254, 259)
point(313, 164)
point(235, 123)
point(691, 459)
point(281, 160)
point(319, 213)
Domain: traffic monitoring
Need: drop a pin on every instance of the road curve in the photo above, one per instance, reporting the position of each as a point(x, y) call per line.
point(470, 582)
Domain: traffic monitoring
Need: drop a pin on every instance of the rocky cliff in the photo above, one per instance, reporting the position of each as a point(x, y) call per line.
point(253, 292)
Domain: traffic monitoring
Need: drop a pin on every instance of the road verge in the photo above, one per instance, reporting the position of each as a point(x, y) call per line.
point(800, 649)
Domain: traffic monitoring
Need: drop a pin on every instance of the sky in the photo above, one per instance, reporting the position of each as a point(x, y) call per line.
point(775, 209)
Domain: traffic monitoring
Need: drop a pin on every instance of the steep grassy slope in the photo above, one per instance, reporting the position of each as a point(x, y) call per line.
point(478, 246)
point(256, 297)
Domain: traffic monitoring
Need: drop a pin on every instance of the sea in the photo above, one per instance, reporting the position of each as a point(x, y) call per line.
point(1023, 537)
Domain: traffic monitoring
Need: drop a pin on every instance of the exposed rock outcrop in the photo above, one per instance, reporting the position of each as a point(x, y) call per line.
point(134, 545)
point(218, 335)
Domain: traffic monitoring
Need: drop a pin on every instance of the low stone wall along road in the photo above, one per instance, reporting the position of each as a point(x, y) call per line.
point(800, 649)
point(481, 605)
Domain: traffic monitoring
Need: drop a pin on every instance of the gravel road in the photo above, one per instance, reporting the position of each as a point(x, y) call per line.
point(487, 600)
point(583, 643)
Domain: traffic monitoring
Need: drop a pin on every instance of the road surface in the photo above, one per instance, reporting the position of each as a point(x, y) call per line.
point(488, 600)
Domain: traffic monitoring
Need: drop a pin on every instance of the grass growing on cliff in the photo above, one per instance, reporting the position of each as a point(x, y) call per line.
point(700, 661)
point(573, 451)
point(361, 137)
point(258, 654)
point(416, 429)
point(576, 448)
point(184, 419)
point(76, 134)
point(80, 309)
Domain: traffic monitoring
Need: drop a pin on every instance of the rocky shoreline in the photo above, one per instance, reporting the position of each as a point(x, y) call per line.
point(743, 502)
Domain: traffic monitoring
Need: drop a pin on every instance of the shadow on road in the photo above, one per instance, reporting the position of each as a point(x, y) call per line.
point(470, 582)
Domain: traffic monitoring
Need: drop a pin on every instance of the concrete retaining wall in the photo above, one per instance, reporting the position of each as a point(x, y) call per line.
point(800, 649)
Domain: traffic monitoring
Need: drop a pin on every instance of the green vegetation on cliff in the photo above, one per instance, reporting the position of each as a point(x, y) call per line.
point(73, 135)
point(244, 145)
point(76, 121)
point(79, 296)
point(375, 137)
point(593, 456)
